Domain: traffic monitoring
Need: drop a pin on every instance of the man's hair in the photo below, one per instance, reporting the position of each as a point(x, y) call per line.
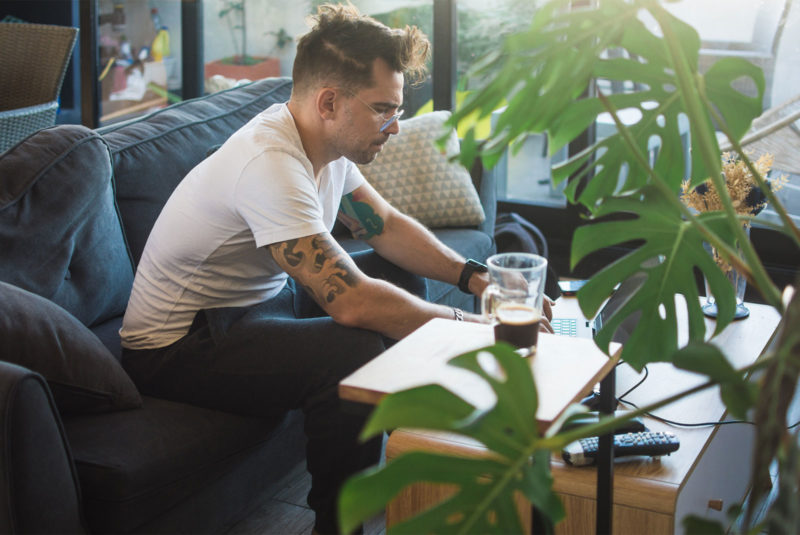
point(343, 44)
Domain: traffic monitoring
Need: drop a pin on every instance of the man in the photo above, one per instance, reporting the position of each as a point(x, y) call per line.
point(214, 318)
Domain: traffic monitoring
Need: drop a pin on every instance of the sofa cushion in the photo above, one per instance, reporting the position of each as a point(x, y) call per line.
point(60, 234)
point(126, 481)
point(417, 179)
point(153, 154)
point(82, 374)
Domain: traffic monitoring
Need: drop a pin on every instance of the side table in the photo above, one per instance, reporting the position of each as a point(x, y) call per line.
point(565, 370)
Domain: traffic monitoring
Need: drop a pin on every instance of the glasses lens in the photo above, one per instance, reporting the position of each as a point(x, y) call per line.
point(391, 120)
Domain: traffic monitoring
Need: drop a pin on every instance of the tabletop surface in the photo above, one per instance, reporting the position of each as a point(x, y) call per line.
point(565, 368)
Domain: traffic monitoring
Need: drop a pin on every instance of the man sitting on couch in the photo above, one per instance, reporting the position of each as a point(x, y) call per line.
point(243, 301)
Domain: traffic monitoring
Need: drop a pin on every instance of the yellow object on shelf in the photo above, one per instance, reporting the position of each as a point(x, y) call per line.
point(483, 125)
point(160, 47)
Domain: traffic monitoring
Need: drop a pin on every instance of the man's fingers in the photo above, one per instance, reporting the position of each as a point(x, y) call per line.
point(548, 308)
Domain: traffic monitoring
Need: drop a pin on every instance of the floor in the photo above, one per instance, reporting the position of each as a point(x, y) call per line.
point(284, 510)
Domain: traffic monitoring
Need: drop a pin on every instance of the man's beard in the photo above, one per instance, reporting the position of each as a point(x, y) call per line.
point(358, 155)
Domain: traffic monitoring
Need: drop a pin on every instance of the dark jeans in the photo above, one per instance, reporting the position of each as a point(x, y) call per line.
point(269, 358)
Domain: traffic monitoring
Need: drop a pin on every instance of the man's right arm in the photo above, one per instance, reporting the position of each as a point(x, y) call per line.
point(329, 275)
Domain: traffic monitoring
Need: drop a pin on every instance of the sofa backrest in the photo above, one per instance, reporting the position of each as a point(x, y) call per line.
point(152, 154)
point(60, 235)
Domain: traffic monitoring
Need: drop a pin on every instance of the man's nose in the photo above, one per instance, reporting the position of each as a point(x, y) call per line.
point(393, 128)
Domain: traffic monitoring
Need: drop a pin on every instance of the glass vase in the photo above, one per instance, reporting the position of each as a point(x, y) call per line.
point(737, 280)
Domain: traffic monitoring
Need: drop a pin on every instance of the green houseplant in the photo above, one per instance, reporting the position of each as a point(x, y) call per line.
point(242, 65)
point(235, 14)
point(544, 74)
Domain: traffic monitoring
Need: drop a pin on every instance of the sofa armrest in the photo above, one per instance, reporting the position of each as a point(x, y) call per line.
point(38, 479)
point(485, 181)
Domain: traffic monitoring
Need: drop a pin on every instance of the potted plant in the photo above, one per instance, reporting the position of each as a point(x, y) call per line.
point(242, 65)
point(544, 75)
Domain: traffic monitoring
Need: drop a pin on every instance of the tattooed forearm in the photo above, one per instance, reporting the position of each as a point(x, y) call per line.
point(323, 250)
point(318, 264)
point(338, 282)
point(360, 218)
point(293, 257)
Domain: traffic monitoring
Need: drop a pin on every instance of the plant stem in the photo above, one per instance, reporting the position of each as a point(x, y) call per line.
point(244, 32)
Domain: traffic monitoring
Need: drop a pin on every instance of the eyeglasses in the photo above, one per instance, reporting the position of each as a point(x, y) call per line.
point(389, 121)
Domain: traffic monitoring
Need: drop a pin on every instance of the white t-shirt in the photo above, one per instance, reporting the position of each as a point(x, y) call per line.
point(205, 249)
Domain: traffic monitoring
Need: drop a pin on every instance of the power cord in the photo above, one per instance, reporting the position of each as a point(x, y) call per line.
point(621, 399)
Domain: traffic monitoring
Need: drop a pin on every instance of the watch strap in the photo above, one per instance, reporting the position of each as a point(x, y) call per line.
point(470, 266)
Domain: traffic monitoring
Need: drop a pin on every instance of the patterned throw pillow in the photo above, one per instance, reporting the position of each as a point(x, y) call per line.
point(418, 180)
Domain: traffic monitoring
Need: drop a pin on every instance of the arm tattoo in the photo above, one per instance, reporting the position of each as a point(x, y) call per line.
point(293, 257)
point(360, 218)
point(318, 259)
point(338, 281)
point(339, 276)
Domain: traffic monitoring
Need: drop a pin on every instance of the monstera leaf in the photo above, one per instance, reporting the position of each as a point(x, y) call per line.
point(633, 176)
point(658, 109)
point(547, 70)
point(483, 501)
point(671, 249)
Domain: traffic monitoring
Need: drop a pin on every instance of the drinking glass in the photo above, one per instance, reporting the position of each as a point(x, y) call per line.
point(513, 300)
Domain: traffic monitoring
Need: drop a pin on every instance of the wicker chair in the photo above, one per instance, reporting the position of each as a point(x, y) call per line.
point(777, 132)
point(33, 60)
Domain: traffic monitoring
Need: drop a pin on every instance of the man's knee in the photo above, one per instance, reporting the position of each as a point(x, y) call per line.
point(351, 348)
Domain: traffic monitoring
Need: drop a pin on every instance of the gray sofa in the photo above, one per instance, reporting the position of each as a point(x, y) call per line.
point(80, 449)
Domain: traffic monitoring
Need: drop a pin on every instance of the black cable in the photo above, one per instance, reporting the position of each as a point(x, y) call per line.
point(682, 424)
point(621, 399)
point(637, 385)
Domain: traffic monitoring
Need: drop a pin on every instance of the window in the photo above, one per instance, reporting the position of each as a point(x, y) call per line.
point(482, 26)
point(761, 32)
point(139, 68)
point(252, 39)
point(249, 40)
point(758, 31)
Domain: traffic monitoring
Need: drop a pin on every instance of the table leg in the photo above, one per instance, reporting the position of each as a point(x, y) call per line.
point(605, 457)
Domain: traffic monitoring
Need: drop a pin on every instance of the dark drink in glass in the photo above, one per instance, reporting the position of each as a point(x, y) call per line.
point(517, 324)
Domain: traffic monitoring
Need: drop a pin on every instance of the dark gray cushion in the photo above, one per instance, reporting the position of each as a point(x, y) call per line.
point(60, 234)
point(126, 481)
point(154, 153)
point(41, 336)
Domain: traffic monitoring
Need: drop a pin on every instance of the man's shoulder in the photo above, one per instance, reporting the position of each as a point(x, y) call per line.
point(272, 130)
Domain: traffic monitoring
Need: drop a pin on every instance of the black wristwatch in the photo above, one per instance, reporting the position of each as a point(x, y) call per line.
point(470, 266)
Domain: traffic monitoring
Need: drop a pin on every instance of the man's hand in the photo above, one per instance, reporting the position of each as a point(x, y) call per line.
point(477, 283)
point(547, 310)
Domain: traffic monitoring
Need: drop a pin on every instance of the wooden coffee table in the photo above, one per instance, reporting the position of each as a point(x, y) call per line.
point(705, 476)
point(565, 370)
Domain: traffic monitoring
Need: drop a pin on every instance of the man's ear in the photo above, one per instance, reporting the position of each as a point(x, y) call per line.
point(326, 103)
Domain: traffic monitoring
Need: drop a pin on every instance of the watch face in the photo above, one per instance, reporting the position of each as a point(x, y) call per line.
point(477, 266)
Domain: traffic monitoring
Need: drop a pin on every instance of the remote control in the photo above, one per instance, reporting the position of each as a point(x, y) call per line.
point(634, 425)
point(654, 443)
